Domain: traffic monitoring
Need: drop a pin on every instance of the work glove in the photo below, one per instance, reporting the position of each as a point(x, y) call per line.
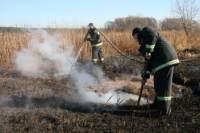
point(145, 74)
point(147, 56)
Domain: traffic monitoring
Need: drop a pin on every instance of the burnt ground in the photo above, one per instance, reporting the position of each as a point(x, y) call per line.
point(185, 117)
point(40, 105)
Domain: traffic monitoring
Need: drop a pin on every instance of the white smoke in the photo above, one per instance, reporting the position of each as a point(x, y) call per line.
point(45, 57)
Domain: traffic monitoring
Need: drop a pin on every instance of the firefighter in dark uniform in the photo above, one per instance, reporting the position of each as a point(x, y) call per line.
point(94, 37)
point(160, 59)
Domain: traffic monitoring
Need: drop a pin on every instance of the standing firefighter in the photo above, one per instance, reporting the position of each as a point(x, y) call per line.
point(160, 59)
point(94, 37)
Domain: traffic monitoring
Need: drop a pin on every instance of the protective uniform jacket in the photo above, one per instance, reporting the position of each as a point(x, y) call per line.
point(162, 53)
point(94, 37)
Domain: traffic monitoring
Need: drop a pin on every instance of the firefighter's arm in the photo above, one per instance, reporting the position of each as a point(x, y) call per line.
point(98, 35)
point(147, 67)
point(86, 37)
point(147, 70)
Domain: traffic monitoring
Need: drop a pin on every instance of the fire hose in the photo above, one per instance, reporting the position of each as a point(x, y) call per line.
point(119, 51)
point(77, 56)
point(134, 59)
point(128, 57)
point(79, 52)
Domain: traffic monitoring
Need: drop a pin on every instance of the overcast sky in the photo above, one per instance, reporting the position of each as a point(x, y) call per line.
point(77, 13)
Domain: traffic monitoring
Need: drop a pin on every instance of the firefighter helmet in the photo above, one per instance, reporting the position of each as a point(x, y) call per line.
point(91, 26)
point(136, 31)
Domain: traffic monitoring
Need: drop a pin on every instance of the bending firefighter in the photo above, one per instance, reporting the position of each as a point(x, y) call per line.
point(94, 37)
point(160, 59)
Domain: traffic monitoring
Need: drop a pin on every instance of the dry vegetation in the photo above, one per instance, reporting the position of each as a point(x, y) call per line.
point(12, 41)
point(50, 113)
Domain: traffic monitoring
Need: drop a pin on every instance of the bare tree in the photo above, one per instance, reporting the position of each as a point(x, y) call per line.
point(187, 11)
point(177, 24)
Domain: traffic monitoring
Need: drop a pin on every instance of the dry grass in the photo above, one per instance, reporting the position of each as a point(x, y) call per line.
point(13, 41)
point(181, 41)
point(185, 112)
point(10, 43)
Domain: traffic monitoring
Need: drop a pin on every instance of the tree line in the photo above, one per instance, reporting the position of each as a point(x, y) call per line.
point(128, 23)
point(186, 12)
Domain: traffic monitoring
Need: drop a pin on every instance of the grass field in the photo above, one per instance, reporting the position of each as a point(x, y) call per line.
point(12, 41)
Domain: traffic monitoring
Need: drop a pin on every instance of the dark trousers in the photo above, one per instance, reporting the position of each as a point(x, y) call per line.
point(163, 88)
point(97, 54)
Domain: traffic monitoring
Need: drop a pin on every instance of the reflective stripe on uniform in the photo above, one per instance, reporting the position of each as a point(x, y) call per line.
point(97, 45)
point(102, 59)
point(94, 60)
point(150, 47)
point(168, 98)
point(148, 72)
point(173, 62)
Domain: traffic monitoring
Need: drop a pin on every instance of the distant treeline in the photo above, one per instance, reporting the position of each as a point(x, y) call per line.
point(11, 29)
point(128, 23)
point(22, 29)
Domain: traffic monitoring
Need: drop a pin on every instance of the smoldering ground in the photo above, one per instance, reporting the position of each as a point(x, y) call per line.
point(47, 58)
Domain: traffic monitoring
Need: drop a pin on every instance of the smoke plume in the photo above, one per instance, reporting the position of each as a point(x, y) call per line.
point(45, 57)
